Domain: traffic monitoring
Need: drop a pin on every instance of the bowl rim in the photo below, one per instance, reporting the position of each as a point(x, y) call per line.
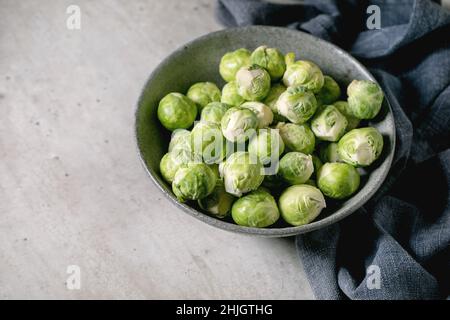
point(265, 232)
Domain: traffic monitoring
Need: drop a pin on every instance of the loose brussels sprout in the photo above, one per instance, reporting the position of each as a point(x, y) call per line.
point(176, 111)
point(266, 144)
point(330, 91)
point(297, 104)
point(297, 137)
point(238, 124)
point(317, 164)
point(218, 203)
point(304, 73)
point(274, 93)
point(203, 93)
point(364, 98)
point(253, 83)
point(241, 173)
point(329, 152)
point(230, 95)
point(289, 58)
point(301, 204)
point(169, 165)
point(270, 59)
point(213, 112)
point(343, 108)
point(329, 124)
point(257, 209)
point(193, 181)
point(179, 138)
point(296, 167)
point(231, 62)
point(360, 147)
point(338, 180)
point(207, 140)
point(262, 112)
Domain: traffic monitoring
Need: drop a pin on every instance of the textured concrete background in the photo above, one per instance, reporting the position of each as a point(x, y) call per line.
point(72, 189)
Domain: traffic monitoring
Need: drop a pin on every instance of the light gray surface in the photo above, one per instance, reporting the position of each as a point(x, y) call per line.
point(72, 189)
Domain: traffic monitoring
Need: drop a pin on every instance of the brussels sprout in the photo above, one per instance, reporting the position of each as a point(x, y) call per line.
point(329, 124)
point(238, 124)
point(304, 73)
point(338, 180)
point(176, 111)
point(218, 203)
point(193, 181)
point(301, 204)
point(207, 140)
point(316, 163)
point(297, 104)
point(230, 95)
point(213, 112)
point(297, 137)
point(262, 112)
point(270, 59)
point(343, 108)
point(360, 147)
point(289, 58)
point(253, 83)
point(257, 209)
point(296, 167)
point(169, 165)
point(328, 152)
point(330, 91)
point(274, 93)
point(266, 144)
point(231, 62)
point(241, 173)
point(203, 93)
point(364, 98)
point(179, 138)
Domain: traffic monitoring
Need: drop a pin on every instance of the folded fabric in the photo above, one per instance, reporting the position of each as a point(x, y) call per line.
point(402, 234)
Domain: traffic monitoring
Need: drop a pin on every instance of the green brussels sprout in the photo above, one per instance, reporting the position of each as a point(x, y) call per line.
point(330, 91)
point(360, 147)
point(364, 98)
point(179, 138)
point(263, 113)
point(297, 137)
point(176, 111)
point(170, 163)
point(231, 62)
point(207, 140)
point(253, 83)
point(304, 73)
point(274, 93)
point(218, 203)
point(203, 93)
point(289, 58)
point(301, 204)
point(329, 124)
point(266, 144)
point(297, 104)
point(328, 152)
point(317, 163)
point(296, 167)
point(270, 59)
point(238, 124)
point(343, 108)
point(213, 112)
point(241, 173)
point(257, 209)
point(338, 180)
point(193, 181)
point(230, 95)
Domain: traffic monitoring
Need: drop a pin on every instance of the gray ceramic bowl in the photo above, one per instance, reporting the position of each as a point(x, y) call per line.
point(199, 61)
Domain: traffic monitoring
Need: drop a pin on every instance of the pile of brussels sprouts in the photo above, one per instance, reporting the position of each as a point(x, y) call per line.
point(276, 140)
